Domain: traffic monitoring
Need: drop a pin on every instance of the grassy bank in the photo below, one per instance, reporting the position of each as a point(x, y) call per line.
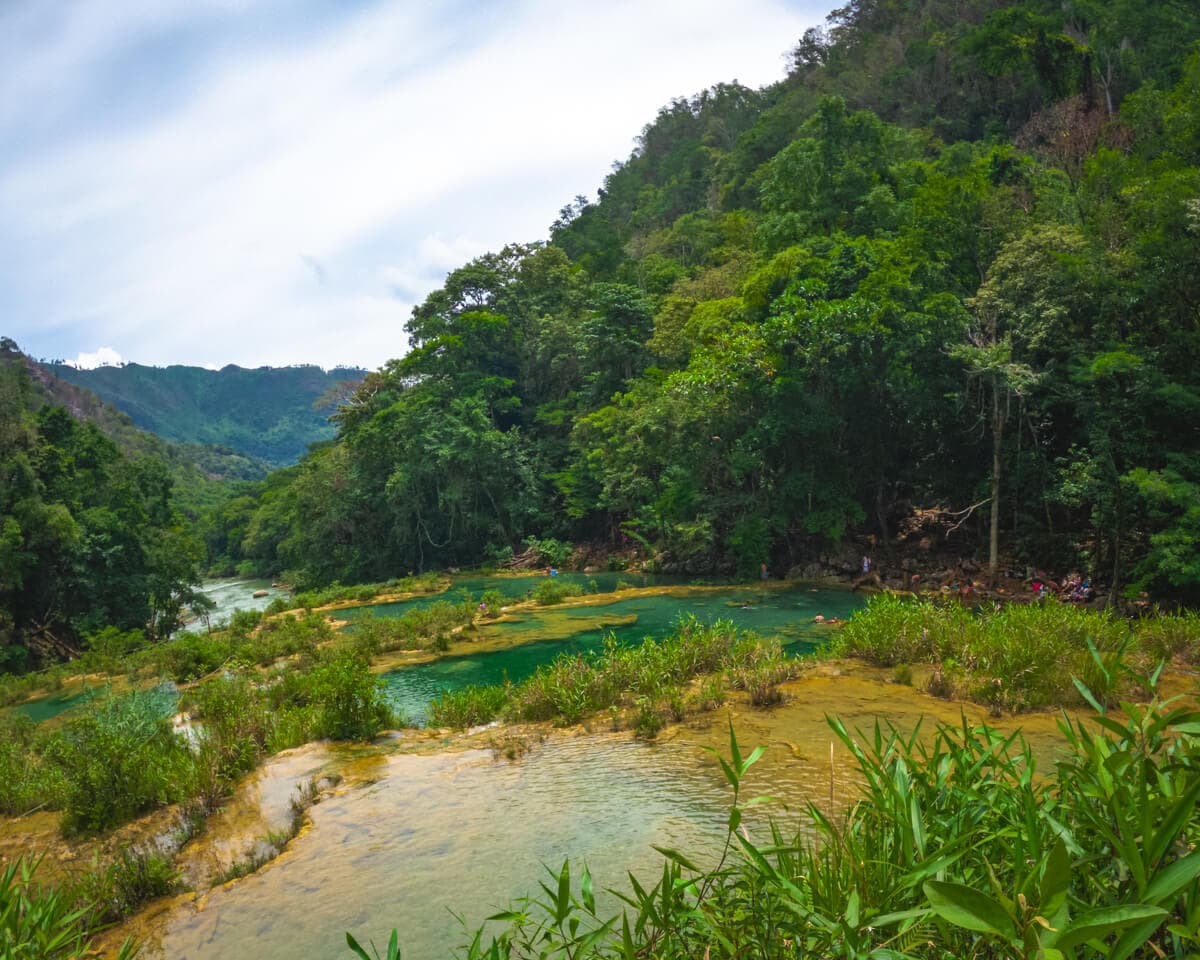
point(1020, 656)
point(649, 680)
point(365, 592)
point(955, 849)
point(120, 757)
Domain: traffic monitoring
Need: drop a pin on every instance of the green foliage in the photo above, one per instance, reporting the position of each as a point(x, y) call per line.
point(648, 677)
point(1016, 657)
point(29, 777)
point(38, 923)
point(120, 759)
point(552, 591)
point(788, 310)
point(468, 707)
point(89, 537)
point(365, 592)
point(349, 696)
point(134, 877)
point(550, 552)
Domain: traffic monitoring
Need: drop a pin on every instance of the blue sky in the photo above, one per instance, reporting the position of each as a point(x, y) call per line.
point(270, 182)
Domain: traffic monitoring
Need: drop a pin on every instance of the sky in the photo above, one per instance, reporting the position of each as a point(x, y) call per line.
point(271, 182)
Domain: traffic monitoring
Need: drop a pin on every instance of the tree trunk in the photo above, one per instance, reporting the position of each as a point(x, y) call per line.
point(881, 514)
point(1116, 548)
point(997, 443)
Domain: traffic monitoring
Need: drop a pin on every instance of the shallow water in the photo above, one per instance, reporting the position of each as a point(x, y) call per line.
point(447, 832)
point(78, 693)
point(426, 835)
point(535, 637)
point(47, 708)
point(512, 588)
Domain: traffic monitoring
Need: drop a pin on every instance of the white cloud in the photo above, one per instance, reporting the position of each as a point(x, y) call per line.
point(294, 207)
point(103, 357)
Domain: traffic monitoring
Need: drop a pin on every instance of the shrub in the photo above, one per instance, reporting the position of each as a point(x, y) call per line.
point(349, 696)
point(136, 876)
point(468, 707)
point(28, 780)
point(120, 759)
point(648, 720)
point(553, 591)
point(551, 552)
point(236, 727)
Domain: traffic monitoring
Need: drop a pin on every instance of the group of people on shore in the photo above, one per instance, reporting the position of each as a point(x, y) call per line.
point(1073, 589)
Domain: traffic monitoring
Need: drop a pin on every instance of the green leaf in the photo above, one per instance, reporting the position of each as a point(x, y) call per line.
point(676, 857)
point(1100, 923)
point(1173, 822)
point(1087, 695)
point(1170, 880)
point(1056, 880)
point(356, 947)
point(968, 908)
point(589, 898)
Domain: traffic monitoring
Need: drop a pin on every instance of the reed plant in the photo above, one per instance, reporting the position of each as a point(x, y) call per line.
point(1015, 657)
point(29, 778)
point(42, 923)
point(1170, 636)
point(120, 759)
point(114, 890)
point(425, 628)
point(469, 706)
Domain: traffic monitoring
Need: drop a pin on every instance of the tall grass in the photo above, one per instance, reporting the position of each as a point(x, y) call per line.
point(648, 676)
point(956, 848)
point(1015, 657)
point(29, 778)
point(425, 628)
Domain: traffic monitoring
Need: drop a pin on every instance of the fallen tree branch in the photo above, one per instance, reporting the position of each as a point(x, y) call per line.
point(968, 511)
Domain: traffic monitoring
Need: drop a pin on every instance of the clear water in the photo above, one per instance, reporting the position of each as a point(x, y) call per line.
point(412, 837)
point(449, 832)
point(538, 636)
point(165, 696)
point(47, 708)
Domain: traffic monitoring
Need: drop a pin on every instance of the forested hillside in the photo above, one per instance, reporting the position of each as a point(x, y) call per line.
point(91, 536)
point(953, 258)
point(269, 414)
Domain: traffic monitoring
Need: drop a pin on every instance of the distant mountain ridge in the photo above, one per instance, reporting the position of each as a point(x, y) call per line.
point(266, 413)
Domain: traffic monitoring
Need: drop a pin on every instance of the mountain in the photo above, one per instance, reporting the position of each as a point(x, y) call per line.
point(267, 413)
point(200, 473)
point(94, 517)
